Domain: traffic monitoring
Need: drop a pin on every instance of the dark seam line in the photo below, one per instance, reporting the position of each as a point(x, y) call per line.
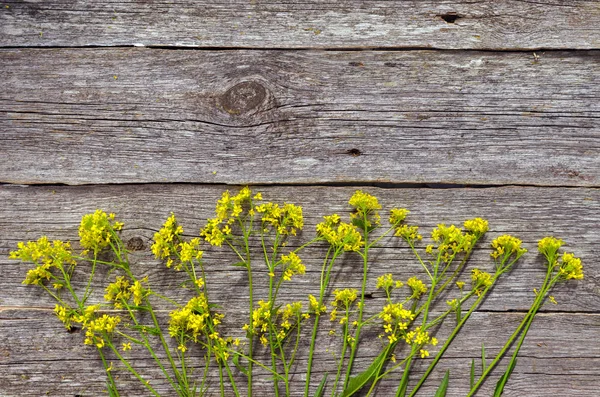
point(382, 185)
point(283, 49)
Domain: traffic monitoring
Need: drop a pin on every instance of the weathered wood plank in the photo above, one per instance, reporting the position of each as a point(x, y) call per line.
point(503, 24)
point(528, 213)
point(38, 357)
point(81, 116)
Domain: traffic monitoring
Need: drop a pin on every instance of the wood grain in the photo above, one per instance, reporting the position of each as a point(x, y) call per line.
point(38, 357)
point(498, 25)
point(85, 116)
point(559, 355)
point(528, 213)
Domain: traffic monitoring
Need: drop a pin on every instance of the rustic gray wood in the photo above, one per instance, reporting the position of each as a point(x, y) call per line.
point(502, 24)
point(528, 213)
point(83, 116)
point(38, 357)
point(560, 354)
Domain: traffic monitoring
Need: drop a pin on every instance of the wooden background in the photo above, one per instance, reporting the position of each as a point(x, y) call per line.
point(451, 109)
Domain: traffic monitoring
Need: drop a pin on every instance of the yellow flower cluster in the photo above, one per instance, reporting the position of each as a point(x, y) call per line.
point(344, 298)
point(386, 282)
point(192, 320)
point(99, 329)
point(340, 234)
point(286, 220)
point(138, 292)
point(166, 238)
point(292, 265)
point(420, 339)
point(190, 250)
point(451, 241)
point(261, 317)
point(505, 246)
point(417, 286)
point(570, 267)
point(278, 323)
point(396, 320)
point(214, 233)
point(549, 246)
point(314, 306)
point(195, 320)
point(96, 231)
point(477, 226)
point(453, 303)
point(45, 255)
point(398, 215)
point(222, 346)
point(366, 207)
point(64, 314)
point(233, 206)
point(292, 311)
point(480, 280)
point(408, 233)
point(228, 209)
point(120, 292)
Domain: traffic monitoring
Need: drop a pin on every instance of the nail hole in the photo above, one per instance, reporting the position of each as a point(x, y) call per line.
point(450, 18)
point(354, 152)
point(359, 64)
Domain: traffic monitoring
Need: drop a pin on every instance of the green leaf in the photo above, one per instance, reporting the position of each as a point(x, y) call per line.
point(359, 223)
point(504, 378)
point(359, 381)
point(321, 388)
point(239, 264)
point(458, 311)
point(236, 361)
point(441, 391)
point(483, 363)
point(472, 381)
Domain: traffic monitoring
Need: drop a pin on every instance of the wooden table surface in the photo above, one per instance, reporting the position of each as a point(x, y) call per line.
point(451, 109)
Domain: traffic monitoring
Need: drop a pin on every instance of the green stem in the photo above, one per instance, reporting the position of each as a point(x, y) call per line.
point(526, 320)
point(132, 370)
point(344, 347)
point(108, 374)
point(354, 345)
point(325, 272)
point(449, 341)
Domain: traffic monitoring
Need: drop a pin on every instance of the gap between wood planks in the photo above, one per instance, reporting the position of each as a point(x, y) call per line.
point(511, 311)
point(380, 185)
point(317, 48)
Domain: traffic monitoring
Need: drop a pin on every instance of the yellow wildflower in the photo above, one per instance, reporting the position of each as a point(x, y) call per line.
point(292, 266)
point(398, 215)
point(480, 280)
point(477, 226)
point(417, 286)
point(366, 210)
point(507, 245)
point(315, 306)
point(166, 239)
point(96, 230)
point(570, 267)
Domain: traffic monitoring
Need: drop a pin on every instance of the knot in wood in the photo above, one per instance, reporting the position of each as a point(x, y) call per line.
point(243, 97)
point(135, 244)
